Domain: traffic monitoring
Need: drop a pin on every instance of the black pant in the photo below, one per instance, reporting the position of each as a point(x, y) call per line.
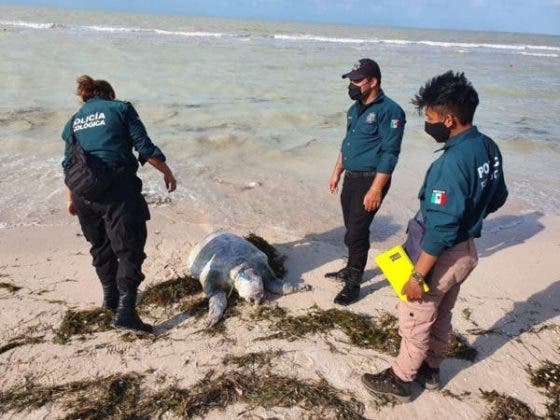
point(356, 219)
point(115, 226)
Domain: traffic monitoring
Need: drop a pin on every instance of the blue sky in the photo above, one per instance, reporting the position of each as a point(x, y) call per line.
point(534, 16)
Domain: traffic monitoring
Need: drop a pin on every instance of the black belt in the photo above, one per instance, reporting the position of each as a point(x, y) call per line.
point(359, 174)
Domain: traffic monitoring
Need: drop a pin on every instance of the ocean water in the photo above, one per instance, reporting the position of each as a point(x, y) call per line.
point(251, 114)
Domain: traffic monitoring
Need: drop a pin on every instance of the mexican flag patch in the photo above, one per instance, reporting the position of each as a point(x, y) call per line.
point(395, 123)
point(438, 197)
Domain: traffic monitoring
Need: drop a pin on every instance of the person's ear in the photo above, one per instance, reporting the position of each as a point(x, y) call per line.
point(449, 121)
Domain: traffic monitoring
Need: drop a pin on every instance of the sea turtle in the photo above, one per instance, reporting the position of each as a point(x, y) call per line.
point(223, 261)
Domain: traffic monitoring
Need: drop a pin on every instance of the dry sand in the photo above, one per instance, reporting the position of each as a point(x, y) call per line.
point(514, 289)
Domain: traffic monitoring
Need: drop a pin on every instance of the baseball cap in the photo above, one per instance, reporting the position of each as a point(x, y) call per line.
point(366, 67)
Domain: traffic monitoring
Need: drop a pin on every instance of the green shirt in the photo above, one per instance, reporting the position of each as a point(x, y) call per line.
point(110, 130)
point(373, 136)
point(461, 188)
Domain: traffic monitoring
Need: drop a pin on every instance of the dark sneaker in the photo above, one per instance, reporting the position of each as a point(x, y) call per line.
point(387, 383)
point(340, 275)
point(428, 377)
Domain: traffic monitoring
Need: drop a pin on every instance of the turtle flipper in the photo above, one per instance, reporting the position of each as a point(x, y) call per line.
point(217, 303)
point(278, 287)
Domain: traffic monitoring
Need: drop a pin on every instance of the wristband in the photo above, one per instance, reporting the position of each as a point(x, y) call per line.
point(418, 277)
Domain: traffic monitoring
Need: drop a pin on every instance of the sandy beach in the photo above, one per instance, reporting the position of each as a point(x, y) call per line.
point(250, 115)
point(508, 311)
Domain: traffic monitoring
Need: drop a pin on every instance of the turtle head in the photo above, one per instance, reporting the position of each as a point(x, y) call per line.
point(249, 285)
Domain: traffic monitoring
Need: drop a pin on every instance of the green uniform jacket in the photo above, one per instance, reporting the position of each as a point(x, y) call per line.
point(460, 189)
point(373, 136)
point(109, 130)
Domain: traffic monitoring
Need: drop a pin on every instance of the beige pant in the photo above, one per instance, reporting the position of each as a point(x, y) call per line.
point(425, 326)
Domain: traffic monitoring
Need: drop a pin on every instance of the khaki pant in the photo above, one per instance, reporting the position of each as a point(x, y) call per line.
point(425, 326)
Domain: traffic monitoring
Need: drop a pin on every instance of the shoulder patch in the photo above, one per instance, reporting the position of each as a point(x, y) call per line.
point(395, 123)
point(438, 197)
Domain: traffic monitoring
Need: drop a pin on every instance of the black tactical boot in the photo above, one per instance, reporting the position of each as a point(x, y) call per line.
point(351, 290)
point(340, 275)
point(110, 295)
point(126, 317)
point(428, 377)
point(387, 383)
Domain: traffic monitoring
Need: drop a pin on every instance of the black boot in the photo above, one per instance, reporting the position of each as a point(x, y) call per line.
point(387, 383)
point(110, 295)
point(351, 290)
point(340, 275)
point(126, 317)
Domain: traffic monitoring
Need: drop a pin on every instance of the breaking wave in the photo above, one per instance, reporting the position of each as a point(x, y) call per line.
point(525, 49)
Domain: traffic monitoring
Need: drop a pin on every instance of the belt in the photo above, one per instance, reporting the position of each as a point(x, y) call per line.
point(359, 174)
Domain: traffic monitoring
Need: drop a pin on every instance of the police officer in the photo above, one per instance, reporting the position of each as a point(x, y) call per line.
point(115, 223)
point(369, 153)
point(460, 189)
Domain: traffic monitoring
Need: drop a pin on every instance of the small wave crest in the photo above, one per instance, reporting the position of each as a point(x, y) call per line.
point(467, 45)
point(200, 34)
point(112, 29)
point(32, 25)
point(539, 54)
point(525, 49)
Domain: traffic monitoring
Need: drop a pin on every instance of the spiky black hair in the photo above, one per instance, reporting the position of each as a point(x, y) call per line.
point(449, 92)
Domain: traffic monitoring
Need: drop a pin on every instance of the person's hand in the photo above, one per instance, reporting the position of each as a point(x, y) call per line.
point(333, 183)
point(170, 182)
point(71, 209)
point(413, 289)
point(372, 200)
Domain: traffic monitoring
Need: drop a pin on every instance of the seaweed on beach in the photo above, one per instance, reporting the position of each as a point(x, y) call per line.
point(378, 333)
point(547, 376)
point(363, 331)
point(545, 327)
point(256, 389)
point(12, 288)
point(20, 341)
point(458, 397)
point(170, 292)
point(275, 260)
point(258, 359)
point(121, 396)
point(195, 307)
point(114, 396)
point(268, 313)
point(82, 323)
point(505, 407)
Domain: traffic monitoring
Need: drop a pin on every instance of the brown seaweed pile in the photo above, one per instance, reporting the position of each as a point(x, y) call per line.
point(505, 407)
point(83, 323)
point(379, 333)
point(12, 288)
point(170, 292)
point(112, 396)
point(121, 396)
point(275, 260)
point(20, 341)
point(547, 376)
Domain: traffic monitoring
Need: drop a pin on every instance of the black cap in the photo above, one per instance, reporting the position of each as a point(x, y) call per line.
point(366, 67)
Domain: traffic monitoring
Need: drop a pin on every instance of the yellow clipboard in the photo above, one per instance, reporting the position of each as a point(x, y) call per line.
point(397, 268)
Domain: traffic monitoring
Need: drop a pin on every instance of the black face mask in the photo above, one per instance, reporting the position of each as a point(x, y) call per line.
point(438, 131)
point(355, 92)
